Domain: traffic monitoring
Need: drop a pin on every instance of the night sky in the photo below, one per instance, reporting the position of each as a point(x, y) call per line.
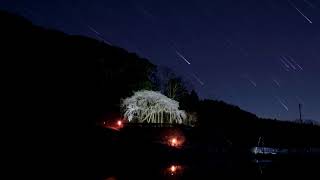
point(263, 56)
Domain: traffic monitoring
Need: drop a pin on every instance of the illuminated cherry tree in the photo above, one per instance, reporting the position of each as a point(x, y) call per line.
point(152, 107)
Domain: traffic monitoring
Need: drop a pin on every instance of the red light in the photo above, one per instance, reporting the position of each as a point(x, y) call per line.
point(174, 142)
point(173, 169)
point(119, 123)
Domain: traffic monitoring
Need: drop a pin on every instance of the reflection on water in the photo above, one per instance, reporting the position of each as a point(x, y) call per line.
point(172, 171)
point(257, 169)
point(175, 163)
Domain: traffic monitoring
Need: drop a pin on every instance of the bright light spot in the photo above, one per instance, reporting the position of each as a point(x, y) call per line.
point(173, 169)
point(173, 141)
point(119, 123)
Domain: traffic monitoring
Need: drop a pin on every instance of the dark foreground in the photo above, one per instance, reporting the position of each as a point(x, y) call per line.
point(131, 159)
point(213, 166)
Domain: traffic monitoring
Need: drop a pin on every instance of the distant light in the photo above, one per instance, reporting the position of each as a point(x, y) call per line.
point(173, 169)
point(174, 141)
point(119, 123)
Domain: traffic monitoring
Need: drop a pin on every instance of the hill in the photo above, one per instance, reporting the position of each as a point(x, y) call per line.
point(73, 81)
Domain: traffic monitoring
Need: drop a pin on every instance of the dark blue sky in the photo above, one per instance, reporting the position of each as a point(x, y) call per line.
point(263, 56)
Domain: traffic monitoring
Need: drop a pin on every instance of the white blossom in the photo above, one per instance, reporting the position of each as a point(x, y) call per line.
point(152, 107)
